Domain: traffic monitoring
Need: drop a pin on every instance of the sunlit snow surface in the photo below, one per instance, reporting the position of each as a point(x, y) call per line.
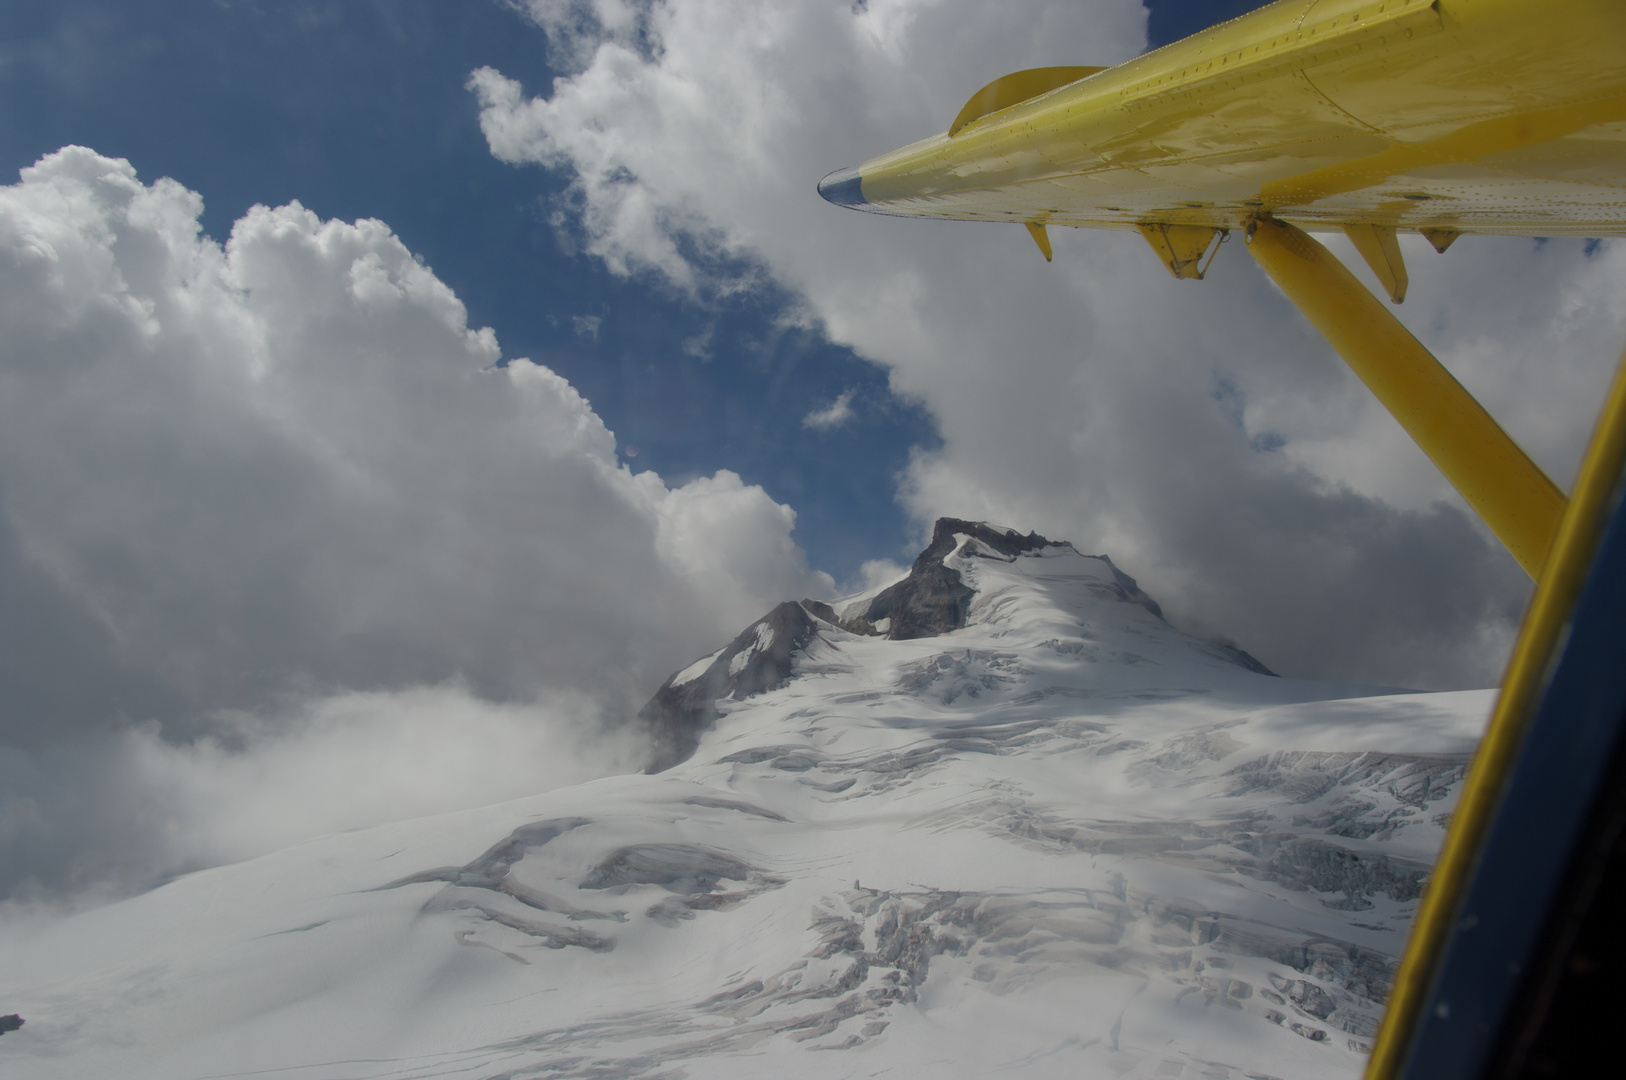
point(1066, 841)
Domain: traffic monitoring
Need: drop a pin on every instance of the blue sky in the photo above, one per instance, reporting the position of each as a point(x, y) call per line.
point(271, 495)
point(361, 110)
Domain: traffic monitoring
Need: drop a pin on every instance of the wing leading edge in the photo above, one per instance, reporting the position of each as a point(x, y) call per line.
point(1481, 116)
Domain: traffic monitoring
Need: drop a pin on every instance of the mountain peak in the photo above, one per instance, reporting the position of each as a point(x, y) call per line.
point(1064, 839)
point(1050, 593)
point(997, 538)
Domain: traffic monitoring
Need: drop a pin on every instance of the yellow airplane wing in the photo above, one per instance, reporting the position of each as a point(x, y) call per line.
point(1482, 116)
point(1366, 116)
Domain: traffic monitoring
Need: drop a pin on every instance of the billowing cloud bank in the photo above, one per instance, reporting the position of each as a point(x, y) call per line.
point(245, 480)
point(1201, 433)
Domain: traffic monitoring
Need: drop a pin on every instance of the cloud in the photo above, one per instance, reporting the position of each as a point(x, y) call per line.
point(700, 345)
point(118, 810)
point(574, 28)
point(286, 469)
point(878, 573)
point(1201, 433)
point(835, 414)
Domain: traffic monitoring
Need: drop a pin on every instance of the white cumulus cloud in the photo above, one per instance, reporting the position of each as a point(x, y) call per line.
point(286, 469)
point(115, 811)
point(835, 414)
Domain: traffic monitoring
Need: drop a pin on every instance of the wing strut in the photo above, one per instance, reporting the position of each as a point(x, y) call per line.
point(1506, 972)
point(1504, 487)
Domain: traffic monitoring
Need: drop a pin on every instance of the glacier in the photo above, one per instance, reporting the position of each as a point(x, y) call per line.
point(999, 818)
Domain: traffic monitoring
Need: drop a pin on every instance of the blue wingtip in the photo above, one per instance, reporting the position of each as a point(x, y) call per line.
point(844, 188)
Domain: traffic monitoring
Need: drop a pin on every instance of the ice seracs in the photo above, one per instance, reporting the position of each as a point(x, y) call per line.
point(998, 817)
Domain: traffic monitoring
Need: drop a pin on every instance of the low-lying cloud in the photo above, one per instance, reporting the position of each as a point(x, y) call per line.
point(114, 811)
point(238, 477)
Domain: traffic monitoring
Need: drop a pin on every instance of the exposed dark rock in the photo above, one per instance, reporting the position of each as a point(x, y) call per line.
point(734, 804)
point(679, 868)
point(491, 872)
point(759, 659)
point(932, 600)
point(10, 1023)
point(1242, 658)
point(822, 610)
point(1007, 542)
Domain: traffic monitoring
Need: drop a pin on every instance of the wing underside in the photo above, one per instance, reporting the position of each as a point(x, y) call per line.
point(1470, 115)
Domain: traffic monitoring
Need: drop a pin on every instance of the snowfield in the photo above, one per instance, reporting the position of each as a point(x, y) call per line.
point(1065, 840)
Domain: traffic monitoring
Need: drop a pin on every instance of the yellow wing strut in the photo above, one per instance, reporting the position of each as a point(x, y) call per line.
point(1506, 489)
point(1540, 639)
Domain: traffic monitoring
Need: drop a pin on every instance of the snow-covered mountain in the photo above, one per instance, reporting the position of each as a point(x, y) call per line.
point(999, 817)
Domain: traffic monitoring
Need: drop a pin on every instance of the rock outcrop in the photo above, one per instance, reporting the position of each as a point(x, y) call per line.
point(932, 600)
point(759, 659)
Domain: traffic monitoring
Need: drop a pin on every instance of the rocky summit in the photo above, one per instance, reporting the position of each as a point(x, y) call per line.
point(999, 818)
point(934, 599)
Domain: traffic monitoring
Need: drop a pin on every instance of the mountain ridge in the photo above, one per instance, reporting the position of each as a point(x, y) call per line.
point(932, 600)
point(1065, 841)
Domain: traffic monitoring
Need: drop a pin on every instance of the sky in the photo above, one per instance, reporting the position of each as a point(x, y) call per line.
point(392, 393)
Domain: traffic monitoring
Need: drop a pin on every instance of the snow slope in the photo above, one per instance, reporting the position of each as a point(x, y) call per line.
point(1063, 840)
